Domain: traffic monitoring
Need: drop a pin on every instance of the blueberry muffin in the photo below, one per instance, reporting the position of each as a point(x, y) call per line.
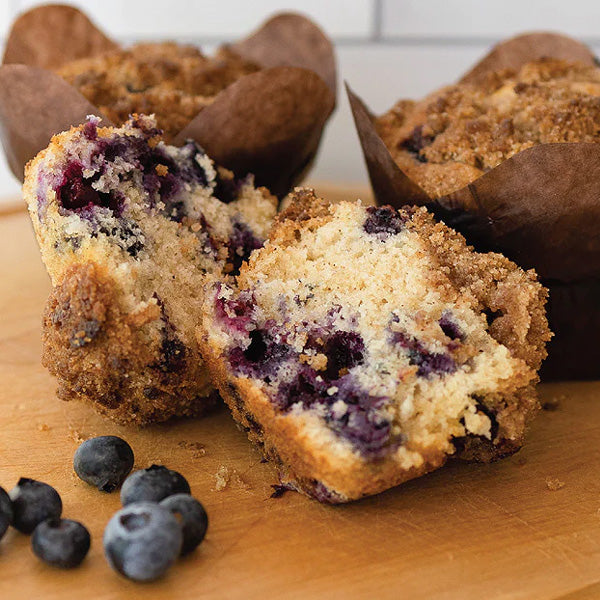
point(129, 229)
point(362, 347)
point(456, 134)
point(174, 82)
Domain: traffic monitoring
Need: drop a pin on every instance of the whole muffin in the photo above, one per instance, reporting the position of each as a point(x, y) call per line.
point(129, 229)
point(453, 136)
point(173, 82)
point(363, 347)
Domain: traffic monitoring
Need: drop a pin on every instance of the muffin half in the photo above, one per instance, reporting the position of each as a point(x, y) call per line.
point(363, 347)
point(129, 229)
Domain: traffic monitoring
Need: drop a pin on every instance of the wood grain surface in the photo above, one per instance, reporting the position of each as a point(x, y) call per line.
point(464, 532)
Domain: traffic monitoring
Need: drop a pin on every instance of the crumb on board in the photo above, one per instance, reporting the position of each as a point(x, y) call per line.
point(222, 477)
point(196, 449)
point(554, 484)
point(226, 476)
point(43, 427)
point(76, 435)
point(241, 481)
point(553, 403)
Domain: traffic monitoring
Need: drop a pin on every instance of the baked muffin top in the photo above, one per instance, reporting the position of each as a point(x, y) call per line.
point(172, 81)
point(459, 132)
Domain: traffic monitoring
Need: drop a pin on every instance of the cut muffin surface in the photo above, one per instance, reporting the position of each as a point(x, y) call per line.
point(456, 134)
point(174, 82)
point(362, 347)
point(129, 229)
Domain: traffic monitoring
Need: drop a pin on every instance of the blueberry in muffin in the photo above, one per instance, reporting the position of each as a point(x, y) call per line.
point(362, 347)
point(129, 229)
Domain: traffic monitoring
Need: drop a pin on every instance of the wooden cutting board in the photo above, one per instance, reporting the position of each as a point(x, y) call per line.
point(498, 531)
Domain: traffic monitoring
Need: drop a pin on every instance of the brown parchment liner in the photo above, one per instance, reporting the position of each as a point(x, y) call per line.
point(540, 208)
point(268, 123)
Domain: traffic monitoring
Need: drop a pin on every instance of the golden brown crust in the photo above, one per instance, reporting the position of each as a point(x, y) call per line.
point(453, 136)
point(98, 355)
point(303, 205)
point(174, 82)
point(513, 296)
point(515, 304)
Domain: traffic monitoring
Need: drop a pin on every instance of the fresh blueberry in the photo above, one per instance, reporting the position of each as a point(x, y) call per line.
point(142, 541)
point(61, 542)
point(153, 485)
point(6, 512)
point(104, 462)
point(32, 503)
point(193, 519)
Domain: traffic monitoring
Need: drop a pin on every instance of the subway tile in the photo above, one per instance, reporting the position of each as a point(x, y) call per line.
point(10, 188)
point(6, 16)
point(477, 19)
point(144, 19)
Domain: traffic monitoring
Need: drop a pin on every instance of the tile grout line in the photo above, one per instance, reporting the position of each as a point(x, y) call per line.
point(377, 20)
point(375, 39)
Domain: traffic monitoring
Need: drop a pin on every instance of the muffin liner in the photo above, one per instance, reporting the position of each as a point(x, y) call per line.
point(574, 315)
point(268, 123)
point(541, 208)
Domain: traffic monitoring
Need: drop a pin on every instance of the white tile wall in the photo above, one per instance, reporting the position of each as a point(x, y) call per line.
point(459, 19)
point(143, 19)
point(387, 49)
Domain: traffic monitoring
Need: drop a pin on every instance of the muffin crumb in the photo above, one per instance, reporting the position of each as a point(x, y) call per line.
point(222, 478)
point(554, 484)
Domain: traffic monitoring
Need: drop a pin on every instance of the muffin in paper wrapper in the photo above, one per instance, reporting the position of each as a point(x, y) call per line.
point(268, 123)
point(541, 208)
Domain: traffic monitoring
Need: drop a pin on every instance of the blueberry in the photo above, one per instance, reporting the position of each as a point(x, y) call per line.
point(153, 485)
point(193, 519)
point(142, 541)
point(344, 350)
point(241, 243)
point(383, 221)
point(75, 192)
point(450, 328)
point(61, 542)
point(104, 462)
point(173, 354)
point(6, 512)
point(262, 358)
point(428, 362)
point(32, 503)
point(416, 142)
